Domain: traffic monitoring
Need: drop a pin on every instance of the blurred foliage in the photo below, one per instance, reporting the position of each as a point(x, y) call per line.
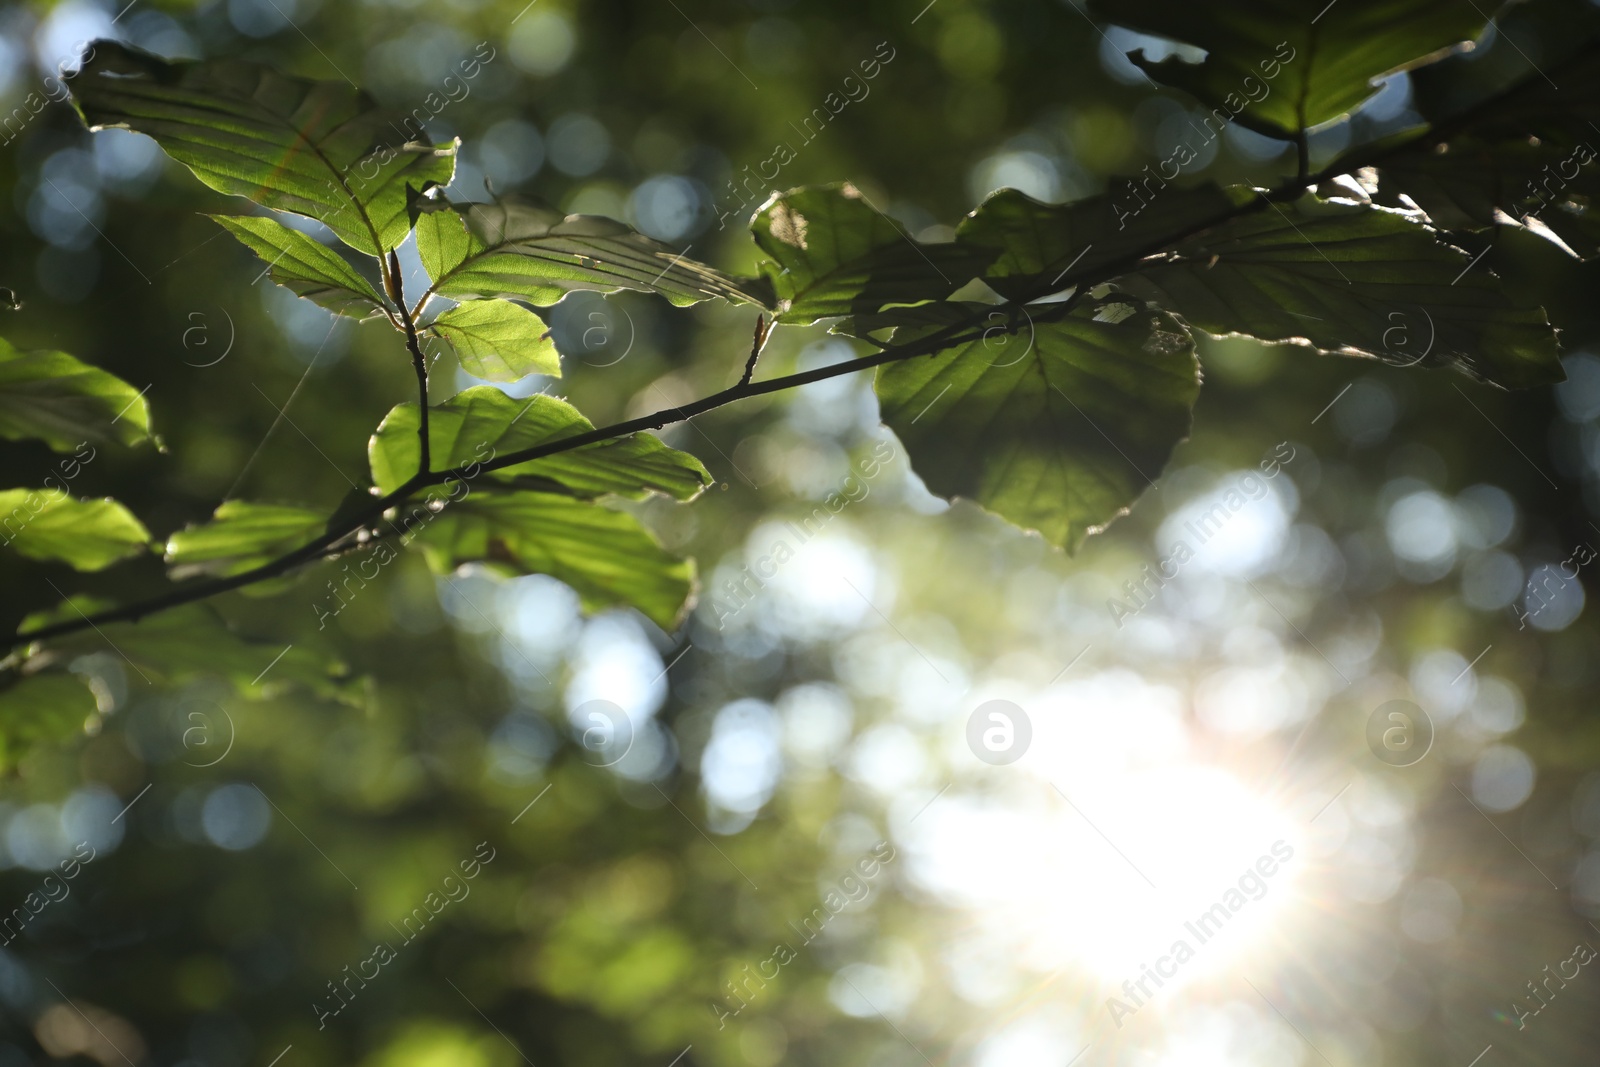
point(254, 839)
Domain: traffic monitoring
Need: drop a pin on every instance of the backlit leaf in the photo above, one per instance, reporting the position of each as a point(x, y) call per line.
point(606, 556)
point(322, 149)
point(306, 267)
point(241, 536)
point(475, 426)
point(89, 535)
point(535, 253)
point(499, 341)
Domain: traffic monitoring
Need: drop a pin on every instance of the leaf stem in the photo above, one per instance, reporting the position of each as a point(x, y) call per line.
point(956, 333)
point(1302, 136)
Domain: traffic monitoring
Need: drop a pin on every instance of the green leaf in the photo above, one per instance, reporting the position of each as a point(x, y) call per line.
point(74, 607)
point(531, 252)
point(1034, 245)
point(306, 267)
point(315, 148)
point(833, 254)
point(1354, 280)
point(67, 403)
point(240, 537)
point(89, 535)
point(1060, 428)
point(475, 426)
point(606, 556)
point(499, 341)
point(192, 641)
point(1280, 66)
point(40, 709)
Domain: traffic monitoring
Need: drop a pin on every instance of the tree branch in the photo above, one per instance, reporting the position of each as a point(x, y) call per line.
point(330, 541)
point(956, 333)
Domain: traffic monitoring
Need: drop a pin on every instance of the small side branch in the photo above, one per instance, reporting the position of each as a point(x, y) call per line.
point(419, 363)
point(763, 331)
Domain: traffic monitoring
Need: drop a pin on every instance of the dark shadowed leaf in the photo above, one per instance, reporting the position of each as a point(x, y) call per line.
point(1531, 155)
point(1041, 248)
point(73, 608)
point(1059, 428)
point(1280, 66)
point(66, 403)
point(193, 641)
point(41, 709)
point(1355, 280)
point(833, 253)
point(965, 314)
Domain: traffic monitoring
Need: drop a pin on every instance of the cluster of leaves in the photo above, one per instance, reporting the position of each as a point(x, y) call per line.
point(455, 479)
point(1042, 363)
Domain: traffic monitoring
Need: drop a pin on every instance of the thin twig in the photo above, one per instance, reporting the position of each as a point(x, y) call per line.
point(763, 331)
point(419, 363)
